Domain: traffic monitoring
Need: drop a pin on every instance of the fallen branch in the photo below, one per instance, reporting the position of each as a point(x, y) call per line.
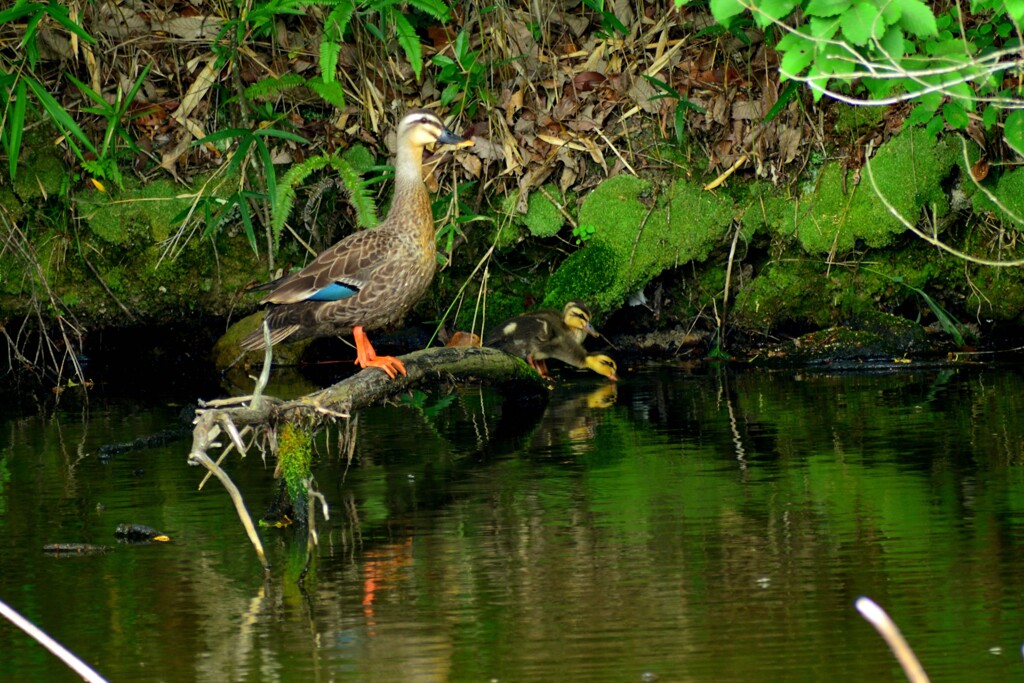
point(263, 414)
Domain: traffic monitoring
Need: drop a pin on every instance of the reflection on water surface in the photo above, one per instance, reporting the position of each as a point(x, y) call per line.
point(696, 525)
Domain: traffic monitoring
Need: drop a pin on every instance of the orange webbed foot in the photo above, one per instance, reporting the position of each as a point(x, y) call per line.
point(540, 366)
point(366, 357)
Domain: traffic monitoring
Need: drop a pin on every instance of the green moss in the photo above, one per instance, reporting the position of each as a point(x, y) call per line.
point(762, 208)
point(783, 292)
point(40, 174)
point(160, 208)
point(589, 275)
point(10, 203)
point(636, 237)
point(1009, 192)
point(295, 458)
point(908, 170)
point(360, 157)
point(543, 218)
point(856, 119)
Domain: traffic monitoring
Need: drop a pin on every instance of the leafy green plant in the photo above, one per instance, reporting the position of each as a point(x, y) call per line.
point(105, 163)
point(462, 76)
point(583, 232)
point(682, 104)
point(379, 18)
point(610, 24)
point(18, 78)
point(348, 177)
point(898, 50)
point(215, 210)
point(450, 229)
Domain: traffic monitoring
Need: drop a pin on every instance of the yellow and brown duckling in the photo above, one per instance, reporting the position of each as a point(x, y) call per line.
point(370, 278)
point(544, 334)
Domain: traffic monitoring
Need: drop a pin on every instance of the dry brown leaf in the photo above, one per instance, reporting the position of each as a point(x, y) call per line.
point(745, 110)
point(190, 28)
point(790, 138)
point(471, 164)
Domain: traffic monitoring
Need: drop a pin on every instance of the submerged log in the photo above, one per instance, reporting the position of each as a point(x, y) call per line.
point(244, 418)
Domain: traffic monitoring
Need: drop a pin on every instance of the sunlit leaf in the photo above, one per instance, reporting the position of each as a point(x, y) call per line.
point(332, 93)
point(860, 23)
point(774, 10)
point(827, 8)
point(1013, 131)
point(916, 17)
point(893, 45)
point(337, 21)
point(955, 115)
point(725, 10)
point(797, 51)
point(824, 28)
point(935, 126)
point(1015, 8)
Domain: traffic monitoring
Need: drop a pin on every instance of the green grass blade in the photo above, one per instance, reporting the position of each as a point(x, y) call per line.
point(61, 15)
point(276, 133)
point(60, 117)
point(15, 127)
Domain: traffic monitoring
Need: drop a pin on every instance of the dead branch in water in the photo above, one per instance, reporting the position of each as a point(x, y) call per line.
point(244, 417)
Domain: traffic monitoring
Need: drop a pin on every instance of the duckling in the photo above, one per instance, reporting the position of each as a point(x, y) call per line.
point(546, 334)
point(370, 278)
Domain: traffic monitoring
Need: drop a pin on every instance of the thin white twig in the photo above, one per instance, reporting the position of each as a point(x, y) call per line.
point(887, 628)
point(65, 655)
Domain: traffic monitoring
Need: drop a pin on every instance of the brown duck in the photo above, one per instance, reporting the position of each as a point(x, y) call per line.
point(544, 334)
point(371, 278)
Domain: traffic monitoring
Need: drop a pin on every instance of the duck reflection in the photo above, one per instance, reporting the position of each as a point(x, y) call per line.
point(574, 421)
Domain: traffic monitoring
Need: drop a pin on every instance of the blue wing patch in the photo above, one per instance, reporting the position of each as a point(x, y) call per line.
point(334, 292)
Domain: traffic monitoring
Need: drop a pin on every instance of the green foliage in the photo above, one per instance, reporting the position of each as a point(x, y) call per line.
point(682, 104)
point(610, 24)
point(950, 64)
point(582, 233)
point(18, 79)
point(348, 176)
point(382, 19)
point(462, 75)
point(216, 211)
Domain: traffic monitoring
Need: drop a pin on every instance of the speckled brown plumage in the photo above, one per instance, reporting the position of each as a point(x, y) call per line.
point(391, 266)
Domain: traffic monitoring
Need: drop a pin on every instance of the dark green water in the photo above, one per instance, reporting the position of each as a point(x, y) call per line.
point(691, 526)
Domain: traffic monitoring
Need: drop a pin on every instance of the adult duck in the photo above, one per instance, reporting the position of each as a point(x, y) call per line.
point(370, 278)
point(539, 335)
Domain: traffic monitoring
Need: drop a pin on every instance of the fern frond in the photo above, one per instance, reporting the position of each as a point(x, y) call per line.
point(358, 192)
point(271, 86)
point(350, 179)
point(330, 91)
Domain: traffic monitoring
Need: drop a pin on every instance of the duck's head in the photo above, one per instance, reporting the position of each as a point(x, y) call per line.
point(602, 365)
point(577, 317)
point(422, 127)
